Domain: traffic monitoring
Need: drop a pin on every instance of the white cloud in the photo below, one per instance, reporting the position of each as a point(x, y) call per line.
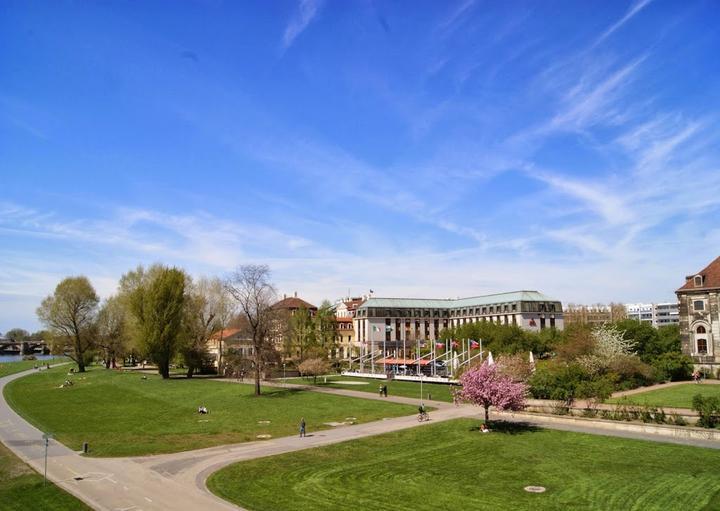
point(634, 9)
point(307, 11)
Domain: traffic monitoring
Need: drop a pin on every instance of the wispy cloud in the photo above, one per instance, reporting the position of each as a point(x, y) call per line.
point(634, 9)
point(307, 11)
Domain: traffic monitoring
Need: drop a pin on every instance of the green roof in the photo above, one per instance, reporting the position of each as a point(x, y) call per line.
point(449, 303)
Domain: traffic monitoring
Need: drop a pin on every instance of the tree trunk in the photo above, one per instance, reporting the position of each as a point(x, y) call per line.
point(487, 413)
point(190, 371)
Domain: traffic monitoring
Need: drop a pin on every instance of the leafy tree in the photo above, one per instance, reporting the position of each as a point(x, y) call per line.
point(558, 381)
point(250, 286)
point(112, 331)
point(644, 336)
point(17, 335)
point(673, 366)
point(70, 314)
point(314, 367)
point(157, 304)
point(485, 385)
point(326, 328)
point(199, 323)
point(300, 333)
point(224, 307)
point(609, 344)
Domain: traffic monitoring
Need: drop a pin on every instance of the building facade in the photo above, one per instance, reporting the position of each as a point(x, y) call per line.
point(413, 319)
point(656, 314)
point(593, 315)
point(699, 301)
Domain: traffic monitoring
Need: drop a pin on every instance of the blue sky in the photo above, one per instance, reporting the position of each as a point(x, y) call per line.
point(432, 149)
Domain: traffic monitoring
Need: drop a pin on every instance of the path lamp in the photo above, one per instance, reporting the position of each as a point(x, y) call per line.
point(46, 437)
point(284, 381)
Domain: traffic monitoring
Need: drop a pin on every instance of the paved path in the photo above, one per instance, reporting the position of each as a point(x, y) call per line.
point(177, 481)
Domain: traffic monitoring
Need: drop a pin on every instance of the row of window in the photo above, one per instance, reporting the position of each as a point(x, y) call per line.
point(458, 313)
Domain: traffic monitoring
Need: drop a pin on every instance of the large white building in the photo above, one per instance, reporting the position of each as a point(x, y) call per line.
point(409, 319)
point(657, 314)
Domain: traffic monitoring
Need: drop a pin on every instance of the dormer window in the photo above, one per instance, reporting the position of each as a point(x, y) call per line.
point(698, 280)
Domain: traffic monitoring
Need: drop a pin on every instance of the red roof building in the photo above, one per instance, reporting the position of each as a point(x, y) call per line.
point(699, 311)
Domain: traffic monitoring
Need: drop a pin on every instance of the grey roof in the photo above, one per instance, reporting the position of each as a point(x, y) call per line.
point(449, 303)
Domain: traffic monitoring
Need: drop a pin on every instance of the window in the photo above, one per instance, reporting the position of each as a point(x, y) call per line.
point(700, 329)
point(698, 305)
point(698, 280)
point(701, 346)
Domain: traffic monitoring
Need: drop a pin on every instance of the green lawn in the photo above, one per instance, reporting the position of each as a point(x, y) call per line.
point(436, 391)
point(679, 396)
point(7, 368)
point(120, 414)
point(21, 488)
point(452, 466)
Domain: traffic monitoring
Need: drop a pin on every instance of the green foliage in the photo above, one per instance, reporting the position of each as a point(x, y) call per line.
point(708, 408)
point(17, 335)
point(557, 381)
point(158, 309)
point(673, 366)
point(507, 339)
point(70, 314)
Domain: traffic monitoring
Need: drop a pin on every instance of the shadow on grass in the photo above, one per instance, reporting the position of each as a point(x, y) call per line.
point(510, 428)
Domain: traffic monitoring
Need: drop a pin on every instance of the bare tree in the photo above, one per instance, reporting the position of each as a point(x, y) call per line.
point(250, 286)
point(221, 302)
point(70, 314)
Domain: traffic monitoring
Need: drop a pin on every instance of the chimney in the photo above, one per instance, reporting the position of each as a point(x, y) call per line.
point(284, 296)
point(295, 294)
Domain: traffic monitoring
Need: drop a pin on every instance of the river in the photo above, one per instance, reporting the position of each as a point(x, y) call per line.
point(17, 358)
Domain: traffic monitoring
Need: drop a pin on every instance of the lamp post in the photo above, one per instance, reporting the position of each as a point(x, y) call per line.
point(46, 437)
point(284, 382)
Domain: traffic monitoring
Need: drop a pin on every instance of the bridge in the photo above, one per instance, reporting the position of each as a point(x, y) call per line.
point(10, 347)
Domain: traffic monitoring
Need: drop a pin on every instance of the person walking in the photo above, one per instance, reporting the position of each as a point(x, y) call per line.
point(302, 427)
point(385, 390)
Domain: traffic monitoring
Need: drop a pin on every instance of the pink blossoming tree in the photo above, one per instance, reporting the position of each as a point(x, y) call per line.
point(486, 385)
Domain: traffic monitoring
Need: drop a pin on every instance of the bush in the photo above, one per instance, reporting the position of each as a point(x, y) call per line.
point(677, 420)
point(558, 382)
point(708, 408)
point(673, 366)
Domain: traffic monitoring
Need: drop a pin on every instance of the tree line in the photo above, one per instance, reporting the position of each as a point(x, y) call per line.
point(162, 314)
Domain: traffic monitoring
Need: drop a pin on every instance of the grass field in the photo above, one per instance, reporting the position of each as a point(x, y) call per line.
point(21, 488)
point(452, 466)
point(7, 368)
point(679, 396)
point(120, 414)
point(438, 391)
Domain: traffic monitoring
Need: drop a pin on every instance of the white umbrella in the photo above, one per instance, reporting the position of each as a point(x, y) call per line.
point(532, 358)
point(490, 358)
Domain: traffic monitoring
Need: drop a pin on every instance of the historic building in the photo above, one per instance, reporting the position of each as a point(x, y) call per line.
point(699, 301)
point(411, 319)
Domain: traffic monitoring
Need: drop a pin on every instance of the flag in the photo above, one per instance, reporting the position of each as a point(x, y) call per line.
point(454, 344)
point(439, 345)
point(474, 345)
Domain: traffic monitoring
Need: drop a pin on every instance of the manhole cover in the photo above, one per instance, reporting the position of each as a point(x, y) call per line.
point(263, 437)
point(535, 489)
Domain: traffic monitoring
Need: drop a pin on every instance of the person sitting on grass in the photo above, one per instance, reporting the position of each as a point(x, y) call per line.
point(484, 428)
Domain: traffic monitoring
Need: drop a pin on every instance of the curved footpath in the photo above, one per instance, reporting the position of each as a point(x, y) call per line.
point(177, 481)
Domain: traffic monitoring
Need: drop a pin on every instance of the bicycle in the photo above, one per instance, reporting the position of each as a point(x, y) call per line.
point(423, 416)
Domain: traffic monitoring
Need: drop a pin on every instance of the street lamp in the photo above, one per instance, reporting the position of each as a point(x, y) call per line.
point(284, 381)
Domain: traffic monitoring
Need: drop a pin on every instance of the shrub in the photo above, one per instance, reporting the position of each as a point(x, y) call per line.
point(708, 408)
point(677, 419)
point(673, 366)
